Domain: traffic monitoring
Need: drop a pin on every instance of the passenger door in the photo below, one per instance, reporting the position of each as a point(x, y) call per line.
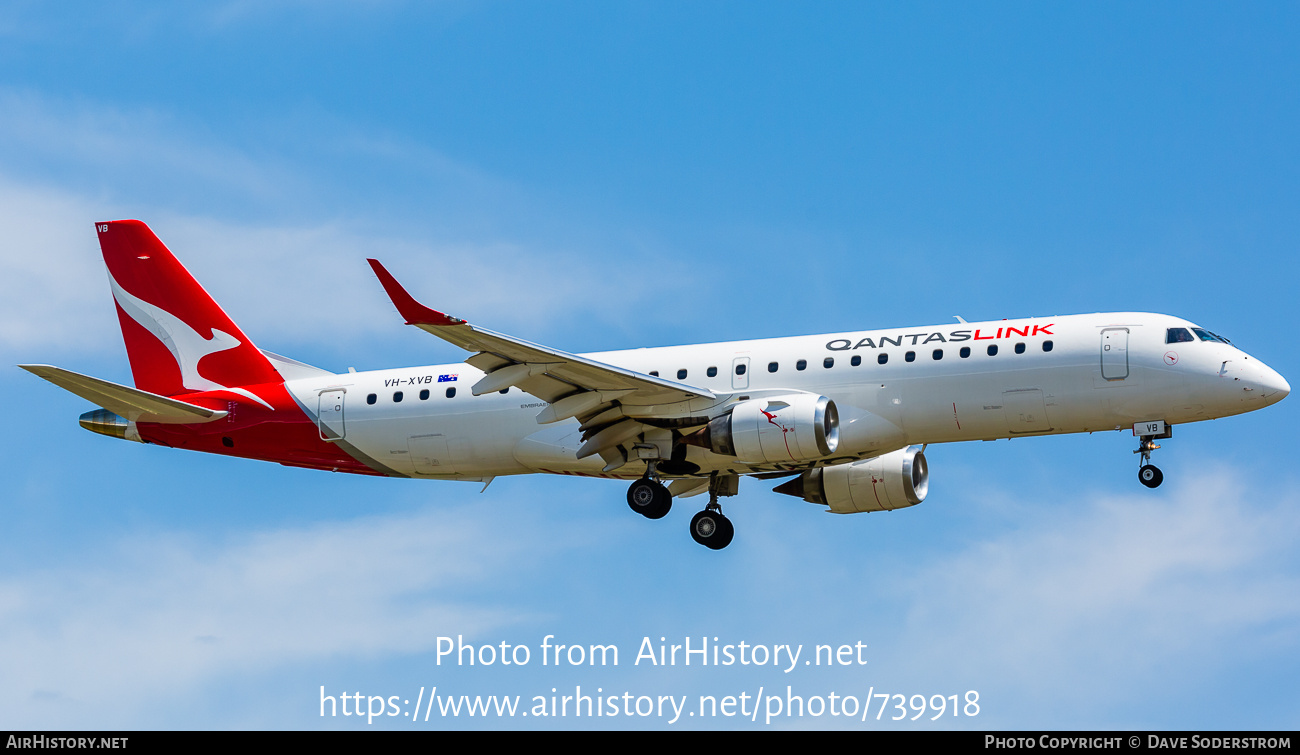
point(1114, 353)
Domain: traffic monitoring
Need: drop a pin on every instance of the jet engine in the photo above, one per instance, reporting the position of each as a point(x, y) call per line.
point(892, 481)
point(788, 427)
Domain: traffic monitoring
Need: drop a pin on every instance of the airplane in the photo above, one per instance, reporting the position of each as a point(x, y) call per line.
point(844, 418)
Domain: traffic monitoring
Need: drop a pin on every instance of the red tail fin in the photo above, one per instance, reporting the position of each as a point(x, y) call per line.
point(177, 338)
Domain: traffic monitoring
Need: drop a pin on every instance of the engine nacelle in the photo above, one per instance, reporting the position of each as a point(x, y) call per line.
point(788, 427)
point(892, 481)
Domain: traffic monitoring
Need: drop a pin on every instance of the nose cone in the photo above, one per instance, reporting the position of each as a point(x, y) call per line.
point(1277, 387)
point(1272, 387)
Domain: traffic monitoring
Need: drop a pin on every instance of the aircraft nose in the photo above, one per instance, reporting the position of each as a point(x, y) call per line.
point(1272, 386)
point(1280, 385)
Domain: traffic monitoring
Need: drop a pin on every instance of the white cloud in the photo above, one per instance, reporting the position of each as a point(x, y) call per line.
point(279, 283)
point(162, 616)
point(65, 165)
point(53, 288)
point(110, 150)
point(287, 280)
point(1106, 600)
point(1093, 604)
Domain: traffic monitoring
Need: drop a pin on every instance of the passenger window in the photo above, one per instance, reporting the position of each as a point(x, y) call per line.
point(397, 397)
point(504, 391)
point(681, 374)
point(993, 349)
point(1178, 335)
point(882, 358)
point(856, 360)
point(828, 362)
point(909, 356)
point(424, 395)
point(451, 393)
point(713, 372)
point(772, 366)
point(656, 373)
point(965, 352)
point(372, 398)
point(740, 369)
point(1020, 348)
point(1047, 345)
point(938, 354)
point(802, 364)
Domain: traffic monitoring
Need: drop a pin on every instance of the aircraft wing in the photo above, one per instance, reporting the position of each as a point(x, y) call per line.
point(131, 403)
point(574, 386)
point(549, 374)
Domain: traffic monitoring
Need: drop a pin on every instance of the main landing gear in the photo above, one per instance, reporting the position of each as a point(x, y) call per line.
point(1148, 473)
point(710, 528)
point(649, 498)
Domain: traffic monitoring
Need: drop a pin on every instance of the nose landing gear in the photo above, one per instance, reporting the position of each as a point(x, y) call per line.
point(1148, 473)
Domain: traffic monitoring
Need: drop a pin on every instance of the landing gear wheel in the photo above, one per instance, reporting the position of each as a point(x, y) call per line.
point(1151, 476)
point(1148, 473)
point(727, 532)
point(712, 530)
point(648, 498)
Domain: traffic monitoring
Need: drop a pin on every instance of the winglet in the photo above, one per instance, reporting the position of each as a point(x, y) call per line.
point(414, 312)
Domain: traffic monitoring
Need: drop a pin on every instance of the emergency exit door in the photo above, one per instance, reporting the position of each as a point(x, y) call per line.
point(329, 416)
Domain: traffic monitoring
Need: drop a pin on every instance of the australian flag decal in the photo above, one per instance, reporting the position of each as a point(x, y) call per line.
point(446, 378)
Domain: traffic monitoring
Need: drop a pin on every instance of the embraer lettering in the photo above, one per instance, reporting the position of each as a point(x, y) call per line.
point(847, 434)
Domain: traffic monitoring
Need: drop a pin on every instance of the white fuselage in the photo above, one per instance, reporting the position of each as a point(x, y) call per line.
point(1103, 372)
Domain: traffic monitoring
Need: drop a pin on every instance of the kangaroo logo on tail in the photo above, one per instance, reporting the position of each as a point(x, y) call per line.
point(181, 340)
point(169, 305)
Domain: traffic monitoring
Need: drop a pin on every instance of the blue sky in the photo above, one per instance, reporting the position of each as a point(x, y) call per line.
point(608, 175)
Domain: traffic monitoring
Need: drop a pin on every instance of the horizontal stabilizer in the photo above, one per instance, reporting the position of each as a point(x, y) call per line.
point(131, 403)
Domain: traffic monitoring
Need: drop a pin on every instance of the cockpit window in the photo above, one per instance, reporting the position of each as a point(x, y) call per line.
point(1178, 335)
point(1206, 335)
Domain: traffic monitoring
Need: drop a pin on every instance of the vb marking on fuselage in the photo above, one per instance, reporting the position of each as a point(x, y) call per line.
point(845, 417)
